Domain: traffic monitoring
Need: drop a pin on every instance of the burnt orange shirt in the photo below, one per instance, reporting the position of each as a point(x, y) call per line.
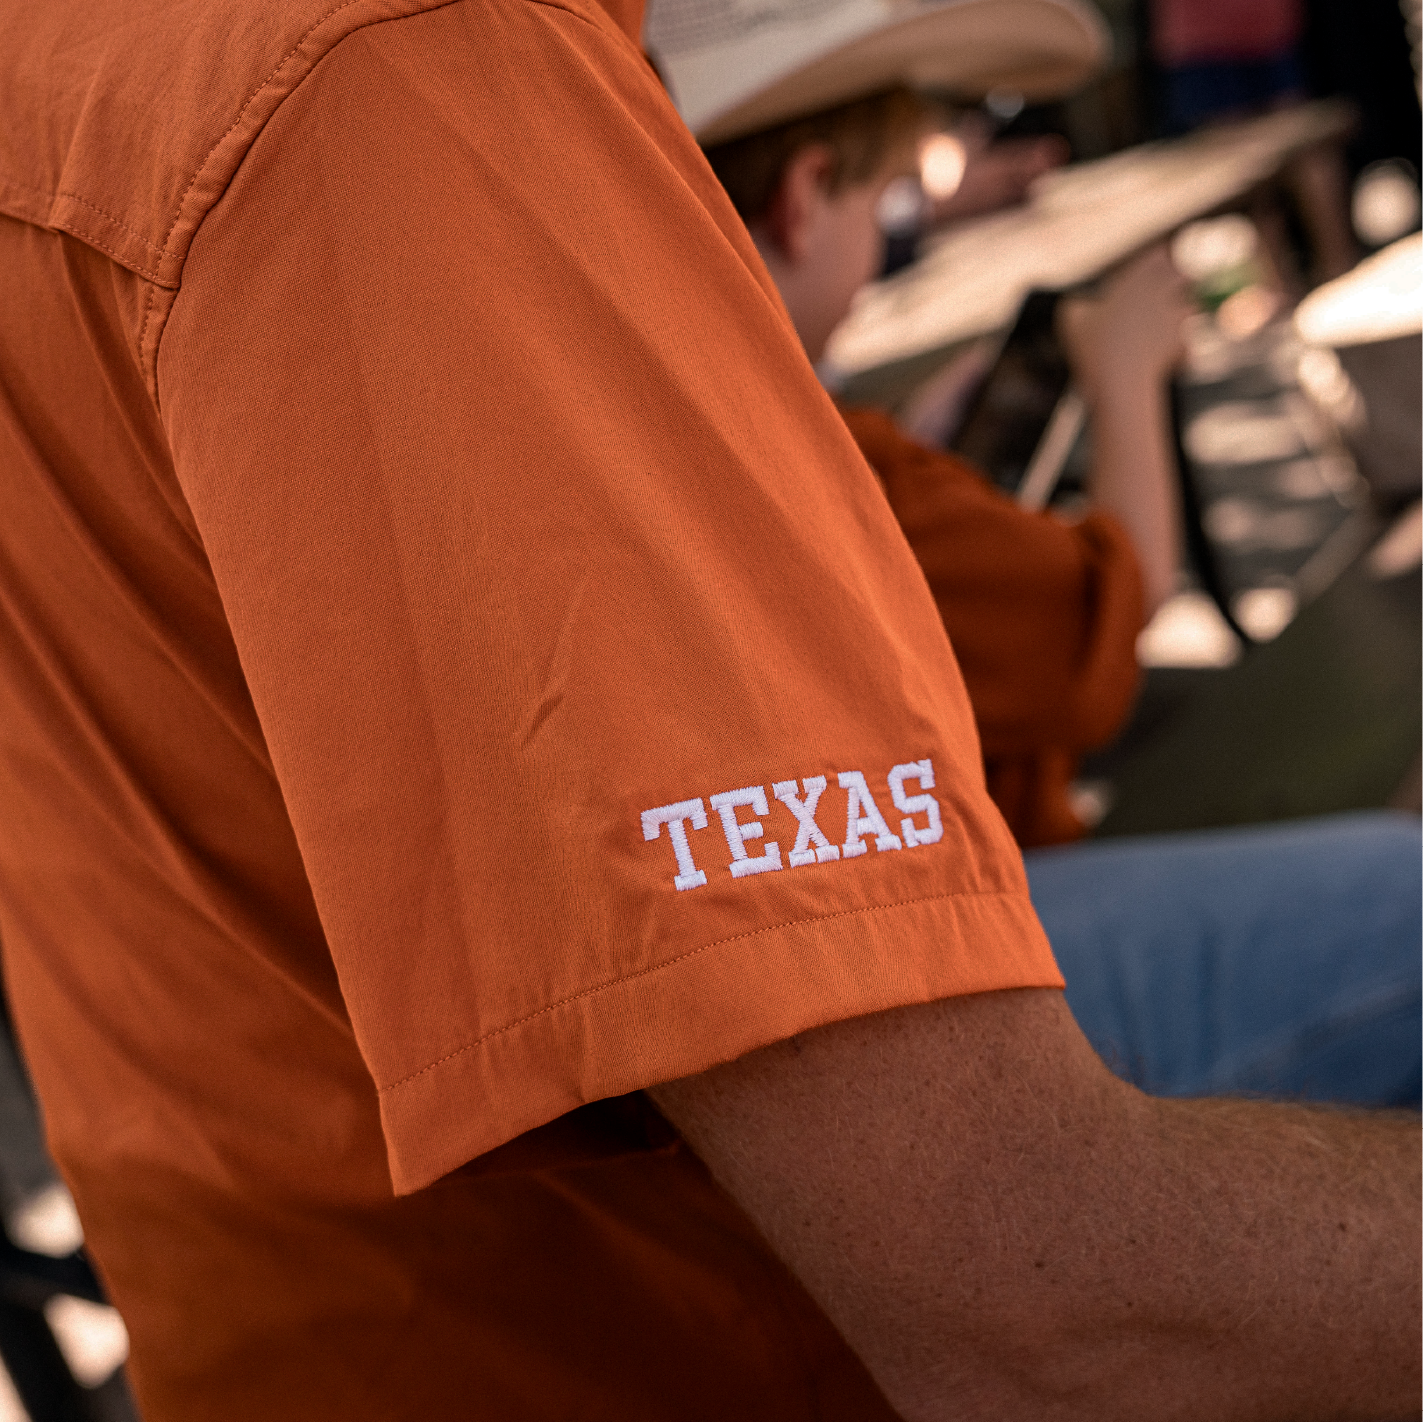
point(1043, 615)
point(455, 671)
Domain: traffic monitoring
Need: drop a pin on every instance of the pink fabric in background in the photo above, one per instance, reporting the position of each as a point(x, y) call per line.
point(1193, 31)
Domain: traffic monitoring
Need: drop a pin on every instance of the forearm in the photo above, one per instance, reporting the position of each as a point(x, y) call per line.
point(1003, 1229)
point(1228, 1259)
point(1133, 474)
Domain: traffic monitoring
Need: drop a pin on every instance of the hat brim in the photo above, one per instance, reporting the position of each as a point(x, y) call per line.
point(1041, 49)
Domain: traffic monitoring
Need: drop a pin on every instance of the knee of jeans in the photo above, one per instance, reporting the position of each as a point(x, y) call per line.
point(1397, 831)
point(1393, 838)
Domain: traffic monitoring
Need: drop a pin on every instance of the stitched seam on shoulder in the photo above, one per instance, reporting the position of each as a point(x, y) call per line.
point(93, 207)
point(680, 958)
point(242, 112)
point(162, 250)
point(198, 171)
point(143, 336)
point(99, 246)
point(117, 221)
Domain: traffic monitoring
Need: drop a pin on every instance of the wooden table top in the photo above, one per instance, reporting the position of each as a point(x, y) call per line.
point(1079, 221)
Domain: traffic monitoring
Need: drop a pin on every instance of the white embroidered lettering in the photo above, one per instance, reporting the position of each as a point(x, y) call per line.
point(808, 833)
point(675, 818)
point(923, 772)
point(862, 818)
point(737, 834)
point(862, 821)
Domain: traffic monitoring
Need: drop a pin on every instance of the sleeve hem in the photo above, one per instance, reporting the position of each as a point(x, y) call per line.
point(706, 1006)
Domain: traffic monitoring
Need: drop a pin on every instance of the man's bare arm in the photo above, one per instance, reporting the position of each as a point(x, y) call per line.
point(1003, 1229)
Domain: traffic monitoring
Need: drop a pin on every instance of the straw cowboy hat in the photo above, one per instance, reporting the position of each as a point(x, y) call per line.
point(735, 66)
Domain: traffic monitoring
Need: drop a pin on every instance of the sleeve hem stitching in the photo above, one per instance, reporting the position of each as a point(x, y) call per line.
point(680, 958)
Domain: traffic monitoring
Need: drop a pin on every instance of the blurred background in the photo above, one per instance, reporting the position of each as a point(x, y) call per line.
point(1283, 677)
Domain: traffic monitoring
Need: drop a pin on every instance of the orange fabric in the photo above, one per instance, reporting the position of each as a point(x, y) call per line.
point(1043, 615)
point(425, 487)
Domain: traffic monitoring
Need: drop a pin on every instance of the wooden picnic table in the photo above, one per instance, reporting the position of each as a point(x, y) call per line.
point(1079, 221)
point(1324, 718)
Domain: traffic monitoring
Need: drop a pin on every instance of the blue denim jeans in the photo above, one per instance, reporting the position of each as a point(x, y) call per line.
point(1279, 959)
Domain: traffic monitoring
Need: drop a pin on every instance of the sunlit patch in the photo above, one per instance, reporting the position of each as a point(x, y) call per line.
point(1247, 525)
point(46, 1223)
point(901, 206)
point(1265, 613)
point(1341, 477)
point(1386, 203)
point(1401, 547)
point(11, 1409)
point(1380, 299)
point(1202, 249)
point(91, 1337)
point(1245, 432)
point(1303, 479)
point(1187, 631)
point(1324, 379)
point(1090, 801)
point(1004, 104)
point(942, 161)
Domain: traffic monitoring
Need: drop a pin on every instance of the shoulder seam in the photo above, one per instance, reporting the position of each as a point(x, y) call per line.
point(93, 207)
point(98, 246)
point(149, 357)
point(163, 266)
point(241, 114)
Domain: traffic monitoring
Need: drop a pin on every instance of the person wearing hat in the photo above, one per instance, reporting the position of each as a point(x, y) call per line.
point(805, 122)
point(1173, 947)
point(499, 897)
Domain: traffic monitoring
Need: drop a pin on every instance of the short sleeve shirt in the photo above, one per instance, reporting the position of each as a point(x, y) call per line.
point(458, 670)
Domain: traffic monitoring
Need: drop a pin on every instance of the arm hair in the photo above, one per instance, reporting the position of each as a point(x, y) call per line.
point(1002, 1229)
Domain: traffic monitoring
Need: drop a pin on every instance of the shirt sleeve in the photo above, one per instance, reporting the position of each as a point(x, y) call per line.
point(1042, 613)
point(614, 720)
